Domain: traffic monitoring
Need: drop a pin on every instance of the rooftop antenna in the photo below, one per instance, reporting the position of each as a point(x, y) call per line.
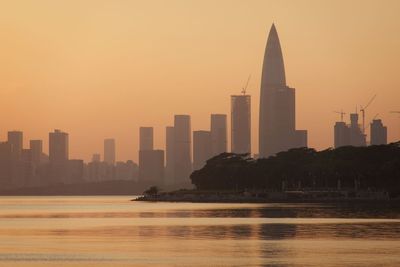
point(362, 110)
point(341, 114)
point(245, 87)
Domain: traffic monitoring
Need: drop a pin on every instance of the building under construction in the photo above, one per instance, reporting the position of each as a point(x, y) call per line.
point(353, 134)
point(240, 123)
point(349, 134)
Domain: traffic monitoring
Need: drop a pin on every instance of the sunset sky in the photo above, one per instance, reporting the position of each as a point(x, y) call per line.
point(100, 69)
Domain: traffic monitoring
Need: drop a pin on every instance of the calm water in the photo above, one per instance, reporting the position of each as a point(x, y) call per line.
point(113, 231)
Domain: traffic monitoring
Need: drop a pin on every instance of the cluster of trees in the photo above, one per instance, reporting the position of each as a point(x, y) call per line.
point(372, 167)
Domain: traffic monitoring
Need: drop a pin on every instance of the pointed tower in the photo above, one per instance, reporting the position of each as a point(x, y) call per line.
point(277, 104)
point(273, 73)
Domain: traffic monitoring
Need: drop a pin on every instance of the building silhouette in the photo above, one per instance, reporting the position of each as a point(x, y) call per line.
point(97, 170)
point(341, 134)
point(75, 171)
point(378, 133)
point(34, 168)
point(277, 122)
point(26, 155)
point(201, 148)
point(218, 134)
point(241, 124)
point(146, 138)
point(169, 154)
point(151, 167)
point(151, 162)
point(109, 151)
point(349, 135)
point(96, 157)
point(357, 138)
point(15, 139)
point(6, 162)
point(126, 170)
point(58, 147)
point(182, 150)
point(58, 157)
point(36, 147)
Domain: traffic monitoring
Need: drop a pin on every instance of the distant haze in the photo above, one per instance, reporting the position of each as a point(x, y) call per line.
point(101, 69)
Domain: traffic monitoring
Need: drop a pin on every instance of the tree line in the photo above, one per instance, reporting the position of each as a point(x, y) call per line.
point(359, 168)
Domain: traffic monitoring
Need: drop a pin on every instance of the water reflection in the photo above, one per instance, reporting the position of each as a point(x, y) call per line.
point(98, 231)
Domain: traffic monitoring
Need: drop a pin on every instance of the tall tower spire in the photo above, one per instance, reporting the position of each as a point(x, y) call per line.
point(273, 67)
point(277, 104)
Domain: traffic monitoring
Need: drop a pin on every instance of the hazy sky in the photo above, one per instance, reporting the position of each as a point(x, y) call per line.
point(100, 69)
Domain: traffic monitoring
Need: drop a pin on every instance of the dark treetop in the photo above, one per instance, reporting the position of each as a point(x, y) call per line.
point(364, 168)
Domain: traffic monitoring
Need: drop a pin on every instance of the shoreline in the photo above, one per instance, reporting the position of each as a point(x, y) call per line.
point(284, 197)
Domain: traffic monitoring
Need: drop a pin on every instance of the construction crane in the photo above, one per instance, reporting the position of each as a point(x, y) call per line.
point(362, 110)
point(245, 87)
point(341, 114)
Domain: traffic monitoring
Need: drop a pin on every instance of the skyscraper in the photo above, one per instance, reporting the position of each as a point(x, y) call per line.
point(378, 133)
point(349, 135)
point(182, 151)
point(6, 165)
point(218, 134)
point(277, 122)
point(58, 147)
point(15, 138)
point(151, 167)
point(36, 147)
point(241, 124)
point(109, 151)
point(169, 154)
point(357, 138)
point(146, 138)
point(341, 134)
point(201, 148)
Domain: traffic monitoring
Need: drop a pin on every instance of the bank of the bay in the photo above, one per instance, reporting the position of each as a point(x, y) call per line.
point(196, 196)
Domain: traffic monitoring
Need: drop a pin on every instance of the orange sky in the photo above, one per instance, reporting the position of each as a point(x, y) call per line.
point(100, 69)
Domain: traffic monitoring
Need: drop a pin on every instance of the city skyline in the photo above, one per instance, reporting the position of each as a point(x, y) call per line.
point(45, 84)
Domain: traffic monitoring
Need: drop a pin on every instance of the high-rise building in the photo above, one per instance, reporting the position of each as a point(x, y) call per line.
point(218, 134)
point(169, 154)
point(109, 151)
point(349, 135)
point(241, 124)
point(5, 151)
point(58, 147)
point(378, 133)
point(277, 121)
point(6, 164)
point(357, 138)
point(201, 148)
point(15, 138)
point(341, 134)
point(151, 167)
point(146, 138)
point(36, 147)
point(182, 151)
